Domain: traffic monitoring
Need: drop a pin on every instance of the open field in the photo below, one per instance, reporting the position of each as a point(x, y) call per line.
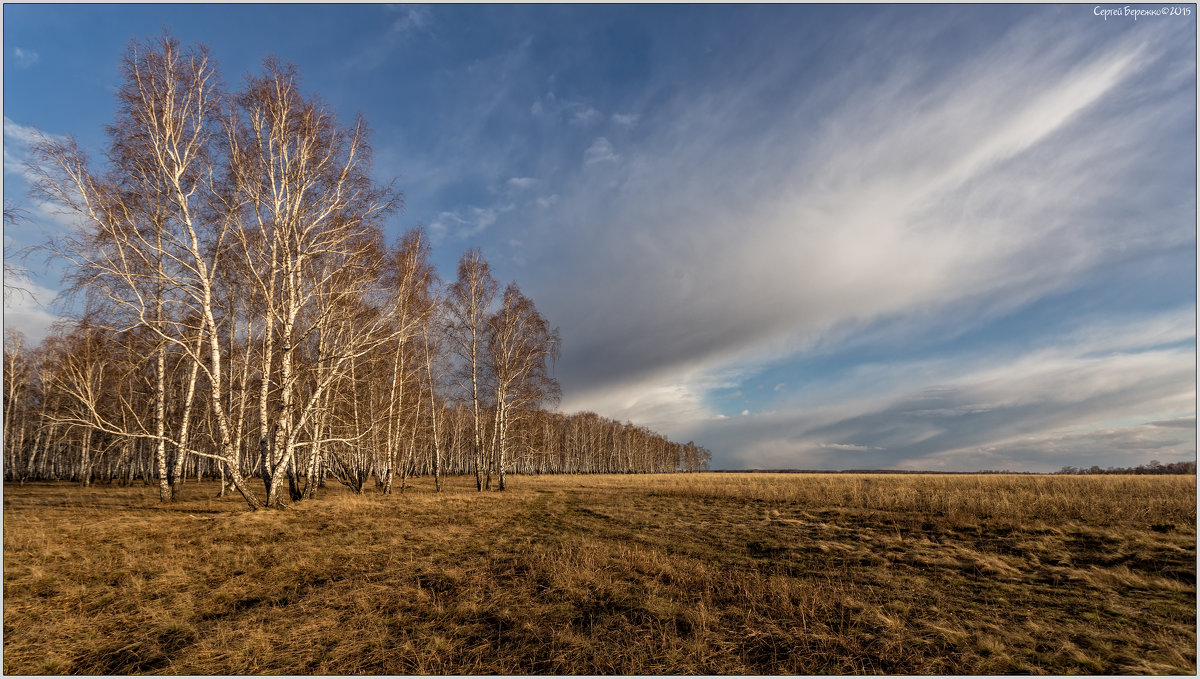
point(714, 574)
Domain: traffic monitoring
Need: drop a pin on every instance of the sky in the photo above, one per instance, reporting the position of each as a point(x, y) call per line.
point(934, 237)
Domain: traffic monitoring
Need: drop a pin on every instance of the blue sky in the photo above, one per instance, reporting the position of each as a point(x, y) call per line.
point(919, 237)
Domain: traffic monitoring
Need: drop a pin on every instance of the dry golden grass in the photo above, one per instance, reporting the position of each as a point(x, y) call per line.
point(670, 574)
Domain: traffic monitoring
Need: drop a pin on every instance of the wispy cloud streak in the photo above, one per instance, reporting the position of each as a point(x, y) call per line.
point(944, 195)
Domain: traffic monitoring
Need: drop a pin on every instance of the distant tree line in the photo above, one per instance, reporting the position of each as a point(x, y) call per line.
point(244, 316)
point(863, 471)
point(1155, 467)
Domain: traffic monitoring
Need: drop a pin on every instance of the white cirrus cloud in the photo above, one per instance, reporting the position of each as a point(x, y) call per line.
point(26, 307)
point(464, 222)
point(375, 49)
point(601, 151)
point(626, 120)
point(24, 58)
point(574, 112)
point(522, 182)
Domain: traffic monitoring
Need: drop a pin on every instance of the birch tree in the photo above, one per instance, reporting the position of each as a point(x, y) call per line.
point(409, 281)
point(309, 214)
point(467, 302)
point(520, 346)
point(18, 391)
point(144, 247)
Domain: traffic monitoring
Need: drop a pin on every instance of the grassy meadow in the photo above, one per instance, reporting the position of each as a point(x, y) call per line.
point(663, 574)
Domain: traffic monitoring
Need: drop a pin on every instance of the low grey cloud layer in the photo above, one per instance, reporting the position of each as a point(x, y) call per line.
point(1081, 402)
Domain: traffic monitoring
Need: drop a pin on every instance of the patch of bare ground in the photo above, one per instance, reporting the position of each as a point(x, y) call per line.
point(669, 574)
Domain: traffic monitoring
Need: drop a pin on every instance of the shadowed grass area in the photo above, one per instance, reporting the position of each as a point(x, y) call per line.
point(713, 574)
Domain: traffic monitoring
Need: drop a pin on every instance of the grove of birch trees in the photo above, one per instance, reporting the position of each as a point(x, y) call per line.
point(245, 319)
